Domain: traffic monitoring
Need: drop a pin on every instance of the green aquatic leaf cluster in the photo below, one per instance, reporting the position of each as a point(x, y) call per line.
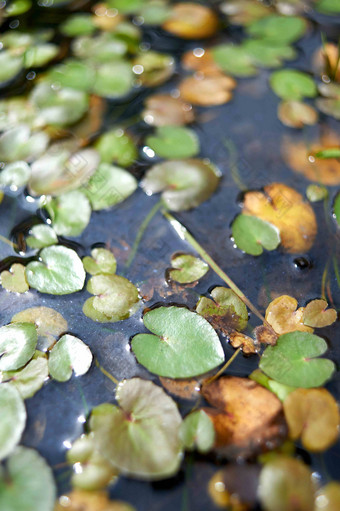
point(252, 235)
point(186, 268)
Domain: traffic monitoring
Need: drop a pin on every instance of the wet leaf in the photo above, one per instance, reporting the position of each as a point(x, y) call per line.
point(70, 213)
point(10, 66)
point(153, 68)
point(200, 59)
point(78, 24)
point(291, 84)
point(141, 436)
point(278, 29)
point(185, 388)
point(285, 208)
point(14, 280)
point(246, 343)
point(15, 175)
point(313, 416)
point(127, 6)
point(40, 54)
point(102, 261)
point(284, 481)
point(317, 315)
point(336, 209)
point(13, 421)
point(284, 316)
point(73, 74)
point(17, 345)
point(184, 344)
point(26, 476)
point(187, 268)
point(113, 80)
point(207, 90)
point(293, 361)
point(19, 143)
point(67, 355)
point(30, 379)
point(245, 415)
point(164, 110)
point(234, 59)
point(251, 234)
point(173, 142)
point(59, 271)
point(197, 431)
point(105, 47)
point(328, 497)
point(185, 183)
point(268, 55)
point(316, 193)
point(191, 21)
point(116, 146)
point(116, 298)
point(79, 500)
point(296, 114)
point(328, 6)
point(280, 390)
point(41, 236)
point(226, 311)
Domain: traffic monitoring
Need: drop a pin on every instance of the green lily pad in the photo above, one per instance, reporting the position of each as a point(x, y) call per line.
point(73, 74)
point(234, 59)
point(251, 234)
point(110, 185)
point(15, 175)
point(268, 55)
point(30, 379)
point(153, 68)
point(329, 106)
point(18, 7)
point(116, 298)
point(78, 24)
point(13, 421)
point(187, 268)
point(14, 280)
point(41, 236)
point(70, 213)
point(67, 355)
point(115, 146)
point(10, 66)
point(336, 209)
point(185, 183)
point(292, 84)
point(126, 6)
point(40, 54)
point(328, 6)
point(104, 47)
point(226, 311)
point(280, 390)
point(155, 12)
point(293, 360)
point(18, 143)
point(17, 345)
point(15, 111)
point(59, 272)
point(316, 193)
point(278, 29)
point(173, 142)
point(26, 482)
point(140, 437)
point(184, 344)
point(113, 80)
point(197, 431)
point(102, 261)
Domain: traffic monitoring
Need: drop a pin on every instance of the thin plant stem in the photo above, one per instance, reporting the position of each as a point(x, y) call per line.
point(106, 373)
point(230, 146)
point(9, 242)
point(336, 270)
point(324, 281)
point(83, 398)
point(223, 368)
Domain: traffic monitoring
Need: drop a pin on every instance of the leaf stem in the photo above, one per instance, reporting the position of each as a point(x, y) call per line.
point(323, 282)
point(5, 240)
point(231, 148)
point(106, 373)
point(223, 368)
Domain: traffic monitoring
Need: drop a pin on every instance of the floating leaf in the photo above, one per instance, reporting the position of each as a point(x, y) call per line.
point(284, 316)
point(316, 315)
point(18, 143)
point(40, 54)
point(78, 24)
point(316, 193)
point(41, 236)
point(185, 389)
point(187, 268)
point(328, 6)
point(234, 59)
point(105, 47)
point(185, 183)
point(59, 272)
point(226, 311)
point(155, 12)
point(127, 6)
point(184, 344)
point(197, 431)
point(30, 379)
point(70, 213)
point(246, 343)
point(336, 208)
point(26, 482)
point(173, 142)
point(141, 436)
point(116, 146)
point(207, 90)
point(15, 175)
point(278, 29)
point(291, 84)
point(200, 59)
point(18, 7)
point(73, 74)
point(67, 355)
point(10, 66)
point(280, 390)
point(313, 416)
point(116, 298)
point(328, 497)
point(267, 55)
point(164, 110)
point(102, 261)
point(12, 424)
point(191, 21)
point(14, 280)
point(251, 234)
point(17, 345)
point(79, 500)
point(293, 361)
point(153, 68)
point(244, 12)
point(113, 80)
point(266, 334)
point(296, 114)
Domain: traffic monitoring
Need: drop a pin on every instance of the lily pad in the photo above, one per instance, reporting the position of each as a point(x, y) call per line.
point(10, 66)
point(164, 110)
point(14, 280)
point(17, 345)
point(291, 84)
point(40, 54)
point(102, 261)
point(317, 315)
point(207, 89)
point(234, 59)
point(284, 315)
point(153, 68)
point(59, 272)
point(328, 6)
point(15, 175)
point(197, 431)
point(13, 421)
point(191, 21)
point(296, 114)
point(185, 183)
point(41, 236)
point(184, 344)
point(73, 74)
point(70, 213)
point(316, 193)
point(115, 146)
point(278, 29)
point(78, 24)
point(26, 482)
point(19, 143)
point(81, 500)
point(251, 234)
point(186, 268)
point(173, 142)
point(293, 361)
point(30, 379)
point(67, 355)
point(336, 209)
point(113, 80)
point(140, 437)
point(268, 55)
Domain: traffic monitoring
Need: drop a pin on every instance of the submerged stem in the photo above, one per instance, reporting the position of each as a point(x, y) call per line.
point(106, 373)
point(223, 368)
point(9, 242)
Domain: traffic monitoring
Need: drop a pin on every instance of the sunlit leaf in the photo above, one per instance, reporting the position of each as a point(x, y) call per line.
point(164, 110)
point(296, 114)
point(173, 142)
point(18, 143)
point(30, 379)
point(116, 146)
point(15, 175)
point(113, 80)
point(246, 343)
point(291, 84)
point(14, 280)
point(184, 344)
point(155, 12)
point(101, 261)
point(284, 316)
point(328, 6)
point(41, 236)
point(74, 74)
point(59, 271)
point(127, 6)
point(207, 90)
point(18, 7)
point(197, 431)
point(278, 29)
point(317, 315)
point(40, 54)
point(191, 21)
point(251, 234)
point(17, 345)
point(328, 497)
point(78, 24)
point(234, 59)
point(186, 268)
point(12, 424)
point(153, 68)
point(104, 47)
point(316, 193)
point(280, 390)
point(330, 152)
point(70, 213)
point(268, 55)
point(10, 66)
point(67, 355)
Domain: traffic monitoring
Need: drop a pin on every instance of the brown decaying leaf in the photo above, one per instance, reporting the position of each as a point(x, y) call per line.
point(282, 314)
point(200, 60)
point(235, 487)
point(164, 110)
point(296, 114)
point(246, 343)
point(191, 21)
point(313, 416)
point(285, 208)
point(207, 89)
point(317, 315)
point(265, 335)
point(79, 500)
point(185, 389)
point(248, 419)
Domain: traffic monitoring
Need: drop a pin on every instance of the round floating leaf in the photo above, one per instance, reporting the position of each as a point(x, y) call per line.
point(268, 55)
point(141, 436)
point(73, 74)
point(291, 84)
point(284, 316)
point(18, 7)
point(280, 390)
point(102, 261)
point(18, 143)
point(187, 268)
point(59, 272)
point(110, 185)
point(15, 175)
point(293, 361)
point(12, 424)
point(155, 12)
point(313, 416)
point(191, 21)
point(185, 183)
point(184, 344)
point(207, 90)
point(41, 236)
point(251, 234)
point(336, 209)
point(164, 110)
point(153, 68)
point(26, 482)
point(173, 142)
point(69, 354)
point(317, 315)
point(105, 47)
point(17, 345)
point(70, 213)
point(116, 298)
point(296, 114)
point(113, 80)
point(234, 59)
point(40, 54)
point(197, 430)
point(316, 193)
point(14, 280)
point(115, 146)
point(328, 497)
point(328, 7)
point(278, 29)
point(78, 24)
point(30, 379)
point(10, 66)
